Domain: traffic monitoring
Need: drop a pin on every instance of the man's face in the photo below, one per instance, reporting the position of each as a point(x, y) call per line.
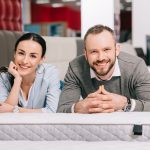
point(101, 52)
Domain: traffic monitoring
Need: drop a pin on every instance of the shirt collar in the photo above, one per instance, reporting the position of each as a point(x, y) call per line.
point(115, 73)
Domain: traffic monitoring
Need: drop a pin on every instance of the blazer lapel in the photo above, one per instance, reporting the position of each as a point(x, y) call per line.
point(86, 78)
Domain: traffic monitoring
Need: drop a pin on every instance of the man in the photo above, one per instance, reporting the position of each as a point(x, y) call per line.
point(107, 80)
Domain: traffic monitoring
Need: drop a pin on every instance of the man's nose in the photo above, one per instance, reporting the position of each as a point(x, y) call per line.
point(101, 56)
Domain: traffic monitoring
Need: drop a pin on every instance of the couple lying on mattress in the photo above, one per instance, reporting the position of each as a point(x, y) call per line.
point(107, 80)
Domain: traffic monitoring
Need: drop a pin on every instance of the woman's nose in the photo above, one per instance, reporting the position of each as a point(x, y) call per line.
point(25, 60)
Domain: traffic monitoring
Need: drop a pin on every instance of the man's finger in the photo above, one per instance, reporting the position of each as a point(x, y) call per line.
point(103, 91)
point(95, 93)
point(95, 110)
point(95, 104)
point(107, 106)
point(99, 90)
point(108, 110)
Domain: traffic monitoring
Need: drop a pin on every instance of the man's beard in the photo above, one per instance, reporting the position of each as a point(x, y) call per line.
point(103, 72)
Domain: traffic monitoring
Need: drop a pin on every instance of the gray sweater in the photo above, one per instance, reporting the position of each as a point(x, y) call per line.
point(134, 82)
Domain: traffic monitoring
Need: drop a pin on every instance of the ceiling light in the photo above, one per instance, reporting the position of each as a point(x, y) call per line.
point(128, 1)
point(78, 3)
point(57, 5)
point(68, 0)
point(42, 1)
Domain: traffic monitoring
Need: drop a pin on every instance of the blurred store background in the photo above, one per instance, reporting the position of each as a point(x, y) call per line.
point(71, 18)
point(56, 17)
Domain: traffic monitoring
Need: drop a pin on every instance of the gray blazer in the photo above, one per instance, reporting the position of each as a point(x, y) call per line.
point(135, 82)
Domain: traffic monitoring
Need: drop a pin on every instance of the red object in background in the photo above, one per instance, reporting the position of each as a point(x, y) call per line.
point(44, 13)
point(17, 18)
point(2, 14)
point(66, 14)
point(10, 15)
point(40, 13)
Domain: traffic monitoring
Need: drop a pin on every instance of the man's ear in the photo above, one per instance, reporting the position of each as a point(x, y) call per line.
point(85, 53)
point(117, 49)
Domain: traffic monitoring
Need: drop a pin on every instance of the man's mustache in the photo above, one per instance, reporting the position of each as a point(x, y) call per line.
point(100, 61)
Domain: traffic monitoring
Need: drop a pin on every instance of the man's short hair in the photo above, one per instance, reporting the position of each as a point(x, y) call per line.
point(98, 29)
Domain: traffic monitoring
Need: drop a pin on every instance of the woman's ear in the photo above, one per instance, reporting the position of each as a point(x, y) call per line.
point(14, 57)
point(42, 59)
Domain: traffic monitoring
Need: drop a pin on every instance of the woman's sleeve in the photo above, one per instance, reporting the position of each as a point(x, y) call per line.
point(53, 91)
point(4, 88)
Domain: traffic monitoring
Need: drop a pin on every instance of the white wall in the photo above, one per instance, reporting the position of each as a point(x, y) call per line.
point(140, 22)
point(96, 12)
point(26, 11)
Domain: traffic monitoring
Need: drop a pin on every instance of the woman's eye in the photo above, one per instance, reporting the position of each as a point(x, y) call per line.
point(20, 53)
point(33, 56)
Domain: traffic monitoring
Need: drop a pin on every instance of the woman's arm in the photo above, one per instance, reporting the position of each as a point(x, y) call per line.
point(5, 107)
point(12, 99)
point(27, 110)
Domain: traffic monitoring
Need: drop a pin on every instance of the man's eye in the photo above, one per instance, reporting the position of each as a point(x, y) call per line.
point(107, 49)
point(94, 51)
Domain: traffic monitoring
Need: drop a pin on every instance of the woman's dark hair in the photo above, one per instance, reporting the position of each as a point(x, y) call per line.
point(11, 77)
point(35, 37)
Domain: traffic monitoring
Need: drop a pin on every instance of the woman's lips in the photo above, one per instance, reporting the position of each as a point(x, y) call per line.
point(24, 67)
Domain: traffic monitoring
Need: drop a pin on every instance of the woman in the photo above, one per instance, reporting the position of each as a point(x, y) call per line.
point(29, 85)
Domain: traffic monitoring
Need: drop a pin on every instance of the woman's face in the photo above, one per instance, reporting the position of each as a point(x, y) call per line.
point(27, 57)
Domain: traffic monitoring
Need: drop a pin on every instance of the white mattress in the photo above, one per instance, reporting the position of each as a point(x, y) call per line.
point(77, 127)
point(73, 145)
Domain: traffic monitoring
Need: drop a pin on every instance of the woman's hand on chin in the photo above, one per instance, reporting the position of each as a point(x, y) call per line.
point(13, 69)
